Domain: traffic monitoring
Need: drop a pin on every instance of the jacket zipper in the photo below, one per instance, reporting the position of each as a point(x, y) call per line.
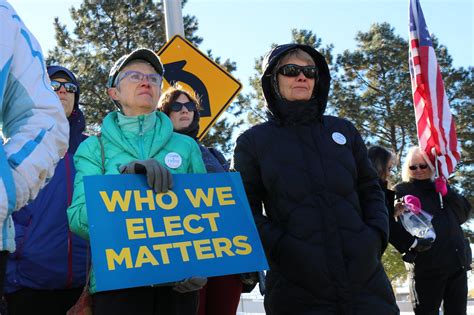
point(140, 139)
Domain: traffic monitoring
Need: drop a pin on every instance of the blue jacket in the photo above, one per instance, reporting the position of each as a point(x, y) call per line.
point(214, 161)
point(49, 255)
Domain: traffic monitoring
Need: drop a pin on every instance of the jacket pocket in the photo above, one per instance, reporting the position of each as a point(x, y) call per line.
point(362, 253)
point(303, 263)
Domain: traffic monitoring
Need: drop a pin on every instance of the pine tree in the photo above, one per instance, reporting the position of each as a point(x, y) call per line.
point(462, 103)
point(372, 88)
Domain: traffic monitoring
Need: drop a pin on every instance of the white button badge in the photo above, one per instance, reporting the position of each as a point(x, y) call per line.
point(339, 138)
point(173, 160)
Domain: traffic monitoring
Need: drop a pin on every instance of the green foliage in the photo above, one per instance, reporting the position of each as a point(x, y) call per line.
point(372, 88)
point(462, 103)
point(394, 266)
point(103, 32)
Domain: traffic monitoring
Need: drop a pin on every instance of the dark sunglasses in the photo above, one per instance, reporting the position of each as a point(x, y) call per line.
point(177, 107)
point(291, 70)
point(421, 166)
point(70, 87)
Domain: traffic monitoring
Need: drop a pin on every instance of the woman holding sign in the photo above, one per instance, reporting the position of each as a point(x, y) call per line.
point(314, 195)
point(221, 295)
point(137, 140)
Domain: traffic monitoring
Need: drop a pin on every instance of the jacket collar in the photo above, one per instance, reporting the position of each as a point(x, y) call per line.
point(141, 136)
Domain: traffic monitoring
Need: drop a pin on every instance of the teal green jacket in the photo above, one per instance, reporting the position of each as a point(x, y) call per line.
point(127, 139)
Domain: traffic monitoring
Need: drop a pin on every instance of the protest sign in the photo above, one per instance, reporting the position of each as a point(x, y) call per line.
point(203, 227)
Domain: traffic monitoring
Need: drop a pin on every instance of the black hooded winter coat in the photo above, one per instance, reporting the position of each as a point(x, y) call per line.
point(317, 204)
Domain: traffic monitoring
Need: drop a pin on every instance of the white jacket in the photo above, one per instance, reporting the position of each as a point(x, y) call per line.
point(32, 120)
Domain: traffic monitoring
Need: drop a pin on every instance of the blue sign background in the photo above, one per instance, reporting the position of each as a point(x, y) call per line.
point(108, 230)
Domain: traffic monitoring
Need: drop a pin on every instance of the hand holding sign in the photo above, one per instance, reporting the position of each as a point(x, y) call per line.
point(158, 177)
point(190, 284)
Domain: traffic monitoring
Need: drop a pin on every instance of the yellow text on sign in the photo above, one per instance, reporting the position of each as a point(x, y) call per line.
point(166, 201)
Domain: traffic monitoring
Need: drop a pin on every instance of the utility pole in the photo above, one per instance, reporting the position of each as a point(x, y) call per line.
point(173, 18)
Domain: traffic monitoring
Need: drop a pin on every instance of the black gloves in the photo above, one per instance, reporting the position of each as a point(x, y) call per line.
point(423, 244)
point(158, 177)
point(190, 284)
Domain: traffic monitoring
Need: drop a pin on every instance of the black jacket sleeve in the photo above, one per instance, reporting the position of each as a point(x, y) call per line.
point(399, 237)
point(371, 195)
point(461, 207)
point(245, 161)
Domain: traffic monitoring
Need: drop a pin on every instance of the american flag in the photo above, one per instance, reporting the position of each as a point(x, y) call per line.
point(434, 121)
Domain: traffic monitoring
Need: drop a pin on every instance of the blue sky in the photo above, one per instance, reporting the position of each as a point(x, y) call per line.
point(243, 30)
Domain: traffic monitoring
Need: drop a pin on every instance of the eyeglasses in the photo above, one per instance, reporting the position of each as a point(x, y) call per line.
point(137, 77)
point(177, 107)
point(70, 87)
point(291, 70)
point(415, 167)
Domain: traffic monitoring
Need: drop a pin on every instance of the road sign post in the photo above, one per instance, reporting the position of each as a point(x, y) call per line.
point(173, 18)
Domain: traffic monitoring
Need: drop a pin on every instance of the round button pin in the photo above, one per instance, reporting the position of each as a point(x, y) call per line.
point(173, 160)
point(339, 138)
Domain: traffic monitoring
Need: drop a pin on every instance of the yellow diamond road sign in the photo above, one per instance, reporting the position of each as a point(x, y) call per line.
point(186, 65)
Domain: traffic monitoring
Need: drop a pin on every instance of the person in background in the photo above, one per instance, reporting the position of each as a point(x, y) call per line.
point(439, 267)
point(47, 272)
point(136, 139)
point(315, 197)
point(33, 127)
point(221, 295)
point(383, 161)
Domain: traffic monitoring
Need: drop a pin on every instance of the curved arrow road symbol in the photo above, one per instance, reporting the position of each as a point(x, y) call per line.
point(174, 73)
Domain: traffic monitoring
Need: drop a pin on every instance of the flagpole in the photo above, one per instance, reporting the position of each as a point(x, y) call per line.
point(433, 151)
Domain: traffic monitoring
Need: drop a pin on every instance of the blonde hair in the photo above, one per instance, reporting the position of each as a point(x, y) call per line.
point(409, 157)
